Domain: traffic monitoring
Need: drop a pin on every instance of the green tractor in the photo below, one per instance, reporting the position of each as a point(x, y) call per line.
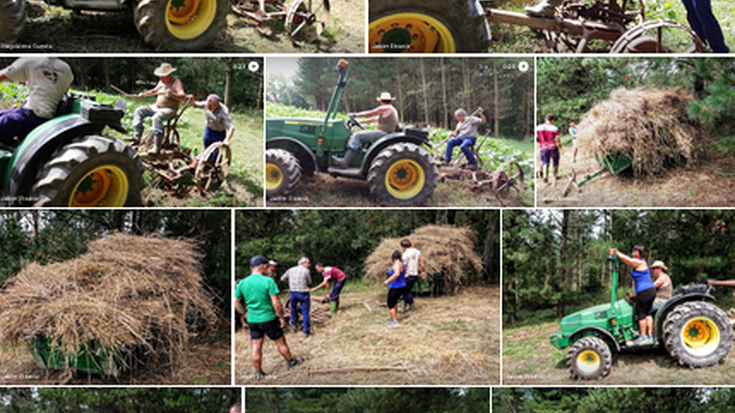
point(174, 25)
point(695, 332)
point(398, 168)
point(67, 161)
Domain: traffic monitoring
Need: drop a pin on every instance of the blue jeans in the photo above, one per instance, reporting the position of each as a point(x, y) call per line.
point(410, 281)
point(334, 295)
point(213, 136)
point(305, 300)
point(158, 115)
point(705, 24)
point(361, 138)
point(17, 123)
point(465, 143)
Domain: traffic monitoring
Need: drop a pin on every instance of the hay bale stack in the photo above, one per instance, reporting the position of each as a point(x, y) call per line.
point(127, 292)
point(649, 126)
point(448, 252)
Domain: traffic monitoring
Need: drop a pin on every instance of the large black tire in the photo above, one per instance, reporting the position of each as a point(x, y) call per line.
point(402, 174)
point(12, 19)
point(90, 171)
point(698, 334)
point(153, 23)
point(469, 34)
point(282, 173)
point(589, 358)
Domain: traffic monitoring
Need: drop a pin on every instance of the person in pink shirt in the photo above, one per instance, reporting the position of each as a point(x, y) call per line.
point(331, 273)
point(547, 135)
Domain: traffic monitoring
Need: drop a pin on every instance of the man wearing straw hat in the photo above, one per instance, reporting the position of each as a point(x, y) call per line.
point(387, 118)
point(662, 282)
point(465, 136)
point(299, 278)
point(264, 314)
point(169, 94)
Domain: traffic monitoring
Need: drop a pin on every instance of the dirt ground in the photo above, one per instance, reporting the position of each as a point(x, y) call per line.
point(208, 362)
point(325, 190)
point(450, 340)
point(89, 31)
point(708, 183)
point(530, 359)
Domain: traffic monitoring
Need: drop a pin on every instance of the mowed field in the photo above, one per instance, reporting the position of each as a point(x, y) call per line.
point(450, 340)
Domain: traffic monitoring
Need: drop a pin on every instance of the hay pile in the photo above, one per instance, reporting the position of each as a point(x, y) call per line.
point(127, 292)
point(651, 127)
point(448, 252)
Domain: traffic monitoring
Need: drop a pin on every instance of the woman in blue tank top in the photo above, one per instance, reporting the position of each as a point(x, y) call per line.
point(397, 283)
point(645, 292)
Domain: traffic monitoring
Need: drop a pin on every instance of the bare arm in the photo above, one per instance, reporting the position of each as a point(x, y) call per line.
point(423, 266)
point(662, 280)
point(3, 78)
point(325, 282)
point(229, 135)
point(638, 265)
point(279, 309)
point(482, 115)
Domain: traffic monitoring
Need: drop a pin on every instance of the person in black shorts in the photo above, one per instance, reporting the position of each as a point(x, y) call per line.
point(264, 314)
point(645, 292)
point(397, 283)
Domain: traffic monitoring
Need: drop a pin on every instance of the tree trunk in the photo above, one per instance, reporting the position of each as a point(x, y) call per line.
point(230, 81)
point(496, 99)
point(564, 284)
point(489, 252)
point(445, 104)
point(467, 85)
point(423, 83)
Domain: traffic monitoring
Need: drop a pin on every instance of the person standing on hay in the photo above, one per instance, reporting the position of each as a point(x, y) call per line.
point(299, 278)
point(547, 135)
point(465, 136)
point(47, 80)
point(264, 314)
point(397, 287)
point(704, 23)
point(573, 134)
point(386, 115)
point(169, 94)
point(413, 259)
point(331, 273)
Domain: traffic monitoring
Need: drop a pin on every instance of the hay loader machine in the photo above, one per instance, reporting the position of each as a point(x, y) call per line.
point(399, 169)
point(695, 332)
point(68, 161)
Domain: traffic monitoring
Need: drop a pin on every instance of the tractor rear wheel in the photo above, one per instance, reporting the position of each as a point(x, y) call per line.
point(12, 19)
point(181, 25)
point(589, 358)
point(402, 174)
point(88, 172)
point(698, 334)
point(282, 173)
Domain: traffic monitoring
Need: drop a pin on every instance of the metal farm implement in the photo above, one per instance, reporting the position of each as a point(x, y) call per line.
point(298, 16)
point(621, 24)
point(613, 163)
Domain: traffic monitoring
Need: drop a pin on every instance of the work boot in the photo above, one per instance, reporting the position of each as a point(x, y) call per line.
point(402, 307)
point(472, 166)
point(544, 9)
point(259, 375)
point(293, 363)
point(157, 142)
point(345, 162)
point(333, 307)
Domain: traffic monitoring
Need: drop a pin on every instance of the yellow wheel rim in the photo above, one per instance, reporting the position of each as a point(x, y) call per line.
point(273, 176)
point(588, 361)
point(701, 335)
point(405, 179)
point(187, 19)
point(106, 186)
point(410, 32)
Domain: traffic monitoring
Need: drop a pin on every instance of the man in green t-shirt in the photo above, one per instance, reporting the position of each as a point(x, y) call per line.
point(264, 314)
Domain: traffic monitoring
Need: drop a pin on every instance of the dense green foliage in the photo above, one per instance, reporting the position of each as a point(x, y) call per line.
point(557, 258)
point(426, 89)
point(200, 76)
point(367, 400)
point(344, 238)
point(613, 400)
point(51, 236)
point(118, 400)
point(569, 87)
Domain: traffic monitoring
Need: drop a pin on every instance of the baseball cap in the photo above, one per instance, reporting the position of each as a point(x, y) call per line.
point(258, 260)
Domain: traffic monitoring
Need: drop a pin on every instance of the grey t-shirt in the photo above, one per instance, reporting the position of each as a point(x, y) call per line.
point(219, 119)
point(298, 278)
point(468, 128)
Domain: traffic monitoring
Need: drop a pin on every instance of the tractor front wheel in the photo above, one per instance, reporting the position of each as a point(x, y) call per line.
point(698, 334)
point(88, 172)
point(12, 19)
point(282, 173)
point(181, 25)
point(589, 358)
point(402, 174)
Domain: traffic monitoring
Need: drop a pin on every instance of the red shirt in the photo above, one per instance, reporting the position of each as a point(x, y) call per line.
point(334, 274)
point(546, 135)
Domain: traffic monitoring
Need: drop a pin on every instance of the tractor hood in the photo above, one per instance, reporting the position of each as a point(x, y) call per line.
point(596, 318)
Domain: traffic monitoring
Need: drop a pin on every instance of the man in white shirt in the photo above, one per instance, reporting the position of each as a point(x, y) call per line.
point(413, 260)
point(47, 80)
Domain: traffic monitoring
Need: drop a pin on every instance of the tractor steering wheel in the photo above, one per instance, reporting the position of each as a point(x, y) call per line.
point(352, 122)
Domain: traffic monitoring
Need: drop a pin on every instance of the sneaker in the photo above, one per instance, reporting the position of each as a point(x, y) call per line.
point(639, 341)
point(472, 166)
point(307, 334)
point(259, 375)
point(293, 363)
point(392, 323)
point(574, 160)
